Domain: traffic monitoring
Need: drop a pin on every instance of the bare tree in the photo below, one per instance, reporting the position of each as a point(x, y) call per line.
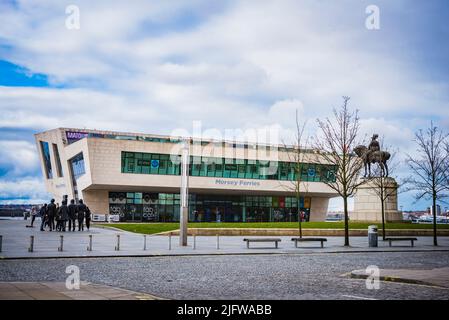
point(296, 154)
point(337, 142)
point(430, 168)
point(385, 186)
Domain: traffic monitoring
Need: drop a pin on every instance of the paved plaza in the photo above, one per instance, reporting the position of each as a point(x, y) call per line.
point(230, 272)
point(16, 242)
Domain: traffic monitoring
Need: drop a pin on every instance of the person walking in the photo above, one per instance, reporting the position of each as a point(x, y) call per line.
point(51, 212)
point(43, 215)
point(33, 215)
point(73, 210)
point(88, 218)
point(81, 214)
point(63, 215)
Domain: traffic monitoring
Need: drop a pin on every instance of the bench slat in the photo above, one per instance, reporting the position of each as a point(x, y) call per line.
point(262, 240)
point(412, 240)
point(275, 240)
point(309, 239)
point(321, 240)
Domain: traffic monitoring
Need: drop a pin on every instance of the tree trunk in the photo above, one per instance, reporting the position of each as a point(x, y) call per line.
point(299, 218)
point(345, 208)
point(434, 209)
point(383, 218)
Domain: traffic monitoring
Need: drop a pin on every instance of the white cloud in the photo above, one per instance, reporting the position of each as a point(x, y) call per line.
point(238, 60)
point(25, 188)
point(20, 157)
point(241, 65)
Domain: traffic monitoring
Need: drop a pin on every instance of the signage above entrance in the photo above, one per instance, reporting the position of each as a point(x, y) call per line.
point(237, 183)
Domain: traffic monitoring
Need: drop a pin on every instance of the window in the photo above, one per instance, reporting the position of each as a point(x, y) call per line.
point(165, 164)
point(57, 160)
point(46, 157)
point(77, 165)
point(149, 163)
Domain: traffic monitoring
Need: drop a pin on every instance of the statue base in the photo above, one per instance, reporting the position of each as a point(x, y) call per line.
point(367, 204)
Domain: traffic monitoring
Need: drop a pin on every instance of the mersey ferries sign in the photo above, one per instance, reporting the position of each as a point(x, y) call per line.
point(237, 183)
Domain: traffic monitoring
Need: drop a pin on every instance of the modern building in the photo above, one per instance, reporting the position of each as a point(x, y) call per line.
point(137, 176)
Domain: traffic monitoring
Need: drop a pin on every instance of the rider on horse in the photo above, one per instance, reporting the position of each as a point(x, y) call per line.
point(373, 146)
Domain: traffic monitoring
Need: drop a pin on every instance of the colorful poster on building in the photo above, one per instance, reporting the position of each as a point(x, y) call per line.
point(73, 136)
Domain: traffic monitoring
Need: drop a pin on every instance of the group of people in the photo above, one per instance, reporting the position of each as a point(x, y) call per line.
point(55, 217)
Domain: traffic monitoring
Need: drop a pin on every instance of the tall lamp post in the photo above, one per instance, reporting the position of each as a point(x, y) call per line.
point(184, 208)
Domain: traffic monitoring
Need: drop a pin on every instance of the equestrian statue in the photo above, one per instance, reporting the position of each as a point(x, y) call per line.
point(372, 155)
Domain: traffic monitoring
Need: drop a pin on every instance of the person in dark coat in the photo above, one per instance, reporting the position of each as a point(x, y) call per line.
point(51, 212)
point(63, 216)
point(43, 215)
point(73, 210)
point(82, 208)
point(88, 217)
point(58, 218)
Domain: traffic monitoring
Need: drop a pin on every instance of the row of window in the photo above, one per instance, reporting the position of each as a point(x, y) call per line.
point(197, 200)
point(73, 136)
point(151, 163)
point(164, 207)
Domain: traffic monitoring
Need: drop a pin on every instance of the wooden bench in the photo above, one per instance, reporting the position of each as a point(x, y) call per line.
point(275, 240)
point(308, 240)
point(390, 240)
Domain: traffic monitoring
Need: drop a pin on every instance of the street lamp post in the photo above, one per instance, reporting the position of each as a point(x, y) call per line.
point(184, 208)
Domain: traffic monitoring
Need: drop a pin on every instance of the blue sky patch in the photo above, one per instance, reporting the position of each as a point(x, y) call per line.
point(13, 75)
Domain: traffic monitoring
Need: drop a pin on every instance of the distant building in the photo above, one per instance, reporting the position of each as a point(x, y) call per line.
point(430, 210)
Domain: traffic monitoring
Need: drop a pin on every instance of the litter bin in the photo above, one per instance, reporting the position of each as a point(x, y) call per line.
point(372, 236)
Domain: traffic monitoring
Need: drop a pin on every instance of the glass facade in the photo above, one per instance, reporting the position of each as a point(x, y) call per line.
point(164, 207)
point(47, 162)
point(74, 136)
point(57, 160)
point(77, 165)
point(151, 163)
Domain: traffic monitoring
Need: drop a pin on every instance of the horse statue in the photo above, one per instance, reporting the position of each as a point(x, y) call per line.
point(369, 157)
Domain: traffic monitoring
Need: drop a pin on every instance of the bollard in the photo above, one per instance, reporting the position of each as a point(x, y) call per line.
point(194, 241)
point(218, 242)
point(169, 241)
point(117, 247)
point(144, 242)
point(89, 247)
point(61, 243)
point(1, 240)
point(31, 248)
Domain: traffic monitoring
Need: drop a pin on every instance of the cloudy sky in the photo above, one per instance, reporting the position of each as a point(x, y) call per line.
point(156, 66)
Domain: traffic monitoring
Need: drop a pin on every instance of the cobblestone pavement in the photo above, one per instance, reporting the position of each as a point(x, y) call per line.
point(278, 276)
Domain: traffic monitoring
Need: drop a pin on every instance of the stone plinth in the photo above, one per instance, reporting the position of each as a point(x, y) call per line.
point(367, 203)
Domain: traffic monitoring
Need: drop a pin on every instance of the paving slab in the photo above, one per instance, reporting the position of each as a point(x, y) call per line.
point(434, 277)
point(58, 291)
